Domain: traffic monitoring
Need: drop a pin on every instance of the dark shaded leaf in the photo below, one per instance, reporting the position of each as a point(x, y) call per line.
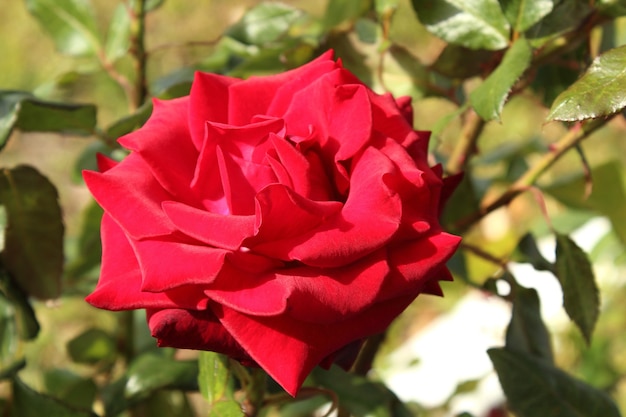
point(360, 396)
point(217, 386)
point(29, 403)
point(566, 16)
point(580, 291)
point(72, 389)
point(598, 93)
point(527, 248)
point(92, 346)
point(70, 23)
point(489, 98)
point(33, 251)
point(478, 24)
point(19, 109)
point(26, 322)
point(459, 62)
point(522, 14)
point(613, 8)
point(131, 122)
point(89, 244)
point(535, 388)
point(527, 332)
point(264, 23)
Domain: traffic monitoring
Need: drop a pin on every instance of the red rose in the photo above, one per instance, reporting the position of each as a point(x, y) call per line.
point(276, 219)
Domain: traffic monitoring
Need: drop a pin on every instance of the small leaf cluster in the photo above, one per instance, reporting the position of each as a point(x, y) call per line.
point(525, 99)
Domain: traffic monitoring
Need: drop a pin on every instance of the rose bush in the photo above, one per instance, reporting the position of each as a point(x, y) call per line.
point(277, 219)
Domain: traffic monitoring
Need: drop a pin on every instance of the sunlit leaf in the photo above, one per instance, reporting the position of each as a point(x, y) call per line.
point(534, 387)
point(580, 291)
point(522, 14)
point(264, 23)
point(489, 98)
point(150, 372)
point(118, 36)
point(527, 332)
point(475, 24)
point(598, 93)
point(33, 250)
point(29, 403)
point(217, 385)
point(71, 23)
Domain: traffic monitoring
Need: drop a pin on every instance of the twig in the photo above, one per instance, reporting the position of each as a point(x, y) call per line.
point(466, 144)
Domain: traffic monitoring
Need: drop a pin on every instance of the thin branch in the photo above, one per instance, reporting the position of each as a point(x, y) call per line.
point(572, 138)
point(138, 52)
point(466, 144)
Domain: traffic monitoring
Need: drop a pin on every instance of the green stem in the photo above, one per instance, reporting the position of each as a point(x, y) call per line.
point(574, 136)
point(138, 51)
point(466, 144)
point(368, 352)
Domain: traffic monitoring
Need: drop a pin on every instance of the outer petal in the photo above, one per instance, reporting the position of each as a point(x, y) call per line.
point(119, 286)
point(316, 295)
point(132, 196)
point(305, 344)
point(200, 330)
point(165, 145)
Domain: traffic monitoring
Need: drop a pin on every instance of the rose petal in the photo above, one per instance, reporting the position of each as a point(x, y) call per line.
point(218, 230)
point(302, 345)
point(209, 99)
point(368, 220)
point(119, 286)
point(132, 196)
point(256, 95)
point(165, 145)
point(167, 264)
point(281, 214)
point(200, 330)
point(309, 294)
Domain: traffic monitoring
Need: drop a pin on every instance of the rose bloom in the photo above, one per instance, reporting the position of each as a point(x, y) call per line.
point(276, 219)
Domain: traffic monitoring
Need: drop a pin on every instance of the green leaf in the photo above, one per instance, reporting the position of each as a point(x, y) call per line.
point(71, 23)
point(33, 249)
point(70, 388)
point(217, 385)
point(150, 372)
point(19, 109)
point(131, 122)
point(29, 403)
point(92, 346)
point(459, 62)
point(475, 24)
point(567, 15)
point(118, 36)
point(339, 12)
point(535, 388)
point(264, 23)
point(529, 251)
point(580, 292)
point(489, 98)
point(522, 14)
point(360, 396)
point(608, 198)
point(150, 4)
point(613, 8)
point(89, 244)
point(26, 322)
point(527, 332)
point(598, 93)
